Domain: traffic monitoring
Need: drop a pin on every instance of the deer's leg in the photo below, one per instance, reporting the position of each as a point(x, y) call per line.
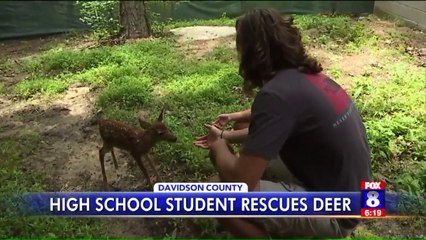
point(113, 158)
point(151, 163)
point(142, 167)
point(105, 148)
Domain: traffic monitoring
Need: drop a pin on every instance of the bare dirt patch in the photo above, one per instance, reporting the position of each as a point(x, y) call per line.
point(326, 58)
point(11, 72)
point(19, 48)
point(203, 32)
point(65, 153)
point(198, 42)
point(14, 49)
point(354, 65)
point(200, 49)
point(393, 34)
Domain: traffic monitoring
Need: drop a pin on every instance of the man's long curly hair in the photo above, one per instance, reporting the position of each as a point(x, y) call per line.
point(266, 43)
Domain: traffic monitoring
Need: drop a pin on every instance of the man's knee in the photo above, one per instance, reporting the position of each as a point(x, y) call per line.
point(215, 178)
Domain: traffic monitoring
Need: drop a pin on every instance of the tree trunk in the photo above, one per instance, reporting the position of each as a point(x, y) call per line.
point(134, 20)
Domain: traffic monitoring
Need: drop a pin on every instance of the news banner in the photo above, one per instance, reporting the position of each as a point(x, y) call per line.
point(212, 200)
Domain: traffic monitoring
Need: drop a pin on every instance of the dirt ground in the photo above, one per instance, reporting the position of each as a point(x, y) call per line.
point(69, 150)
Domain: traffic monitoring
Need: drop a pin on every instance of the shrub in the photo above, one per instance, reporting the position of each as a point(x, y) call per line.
point(101, 16)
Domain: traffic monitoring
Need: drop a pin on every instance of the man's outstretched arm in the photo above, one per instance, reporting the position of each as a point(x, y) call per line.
point(246, 168)
point(243, 116)
point(235, 136)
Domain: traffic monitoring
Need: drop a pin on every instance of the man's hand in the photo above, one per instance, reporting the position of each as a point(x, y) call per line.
point(212, 136)
point(222, 120)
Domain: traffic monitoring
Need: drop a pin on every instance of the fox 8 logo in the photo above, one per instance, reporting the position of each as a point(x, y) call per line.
point(372, 200)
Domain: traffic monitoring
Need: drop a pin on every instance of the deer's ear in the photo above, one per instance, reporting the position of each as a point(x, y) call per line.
point(144, 124)
point(161, 116)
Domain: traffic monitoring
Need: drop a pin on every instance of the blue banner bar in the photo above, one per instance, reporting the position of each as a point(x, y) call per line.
point(151, 204)
point(215, 204)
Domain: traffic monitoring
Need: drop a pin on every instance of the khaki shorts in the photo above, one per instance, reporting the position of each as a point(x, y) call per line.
point(284, 227)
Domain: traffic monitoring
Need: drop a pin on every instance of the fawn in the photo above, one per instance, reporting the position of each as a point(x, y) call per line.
point(136, 141)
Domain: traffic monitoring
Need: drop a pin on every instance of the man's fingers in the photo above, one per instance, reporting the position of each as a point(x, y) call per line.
point(201, 138)
point(219, 122)
point(200, 142)
point(201, 145)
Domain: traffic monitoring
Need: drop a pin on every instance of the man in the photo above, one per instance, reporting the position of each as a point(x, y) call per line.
point(299, 117)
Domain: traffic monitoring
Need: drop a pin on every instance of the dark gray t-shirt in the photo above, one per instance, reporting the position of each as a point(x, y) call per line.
point(313, 125)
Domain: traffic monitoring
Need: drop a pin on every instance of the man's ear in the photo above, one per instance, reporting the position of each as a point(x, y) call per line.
point(144, 124)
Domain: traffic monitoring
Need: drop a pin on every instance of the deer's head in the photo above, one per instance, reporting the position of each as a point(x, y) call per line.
point(159, 129)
